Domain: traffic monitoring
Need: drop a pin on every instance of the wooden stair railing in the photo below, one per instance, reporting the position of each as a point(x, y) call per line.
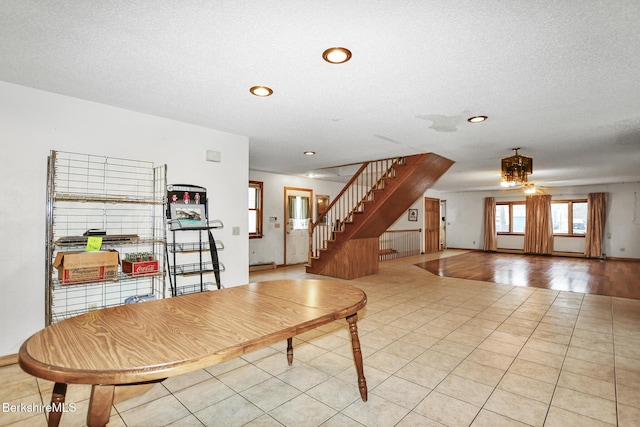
point(349, 202)
point(343, 242)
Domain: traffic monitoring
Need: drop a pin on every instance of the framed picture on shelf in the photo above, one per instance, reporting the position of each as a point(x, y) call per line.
point(187, 216)
point(185, 194)
point(413, 214)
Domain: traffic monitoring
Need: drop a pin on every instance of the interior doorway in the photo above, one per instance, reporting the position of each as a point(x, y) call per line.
point(298, 209)
point(431, 225)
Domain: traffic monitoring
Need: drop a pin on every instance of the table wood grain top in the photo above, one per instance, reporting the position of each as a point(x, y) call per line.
point(167, 337)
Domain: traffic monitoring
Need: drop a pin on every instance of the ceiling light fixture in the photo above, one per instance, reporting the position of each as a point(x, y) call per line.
point(477, 119)
point(530, 188)
point(309, 153)
point(516, 169)
point(336, 55)
point(261, 91)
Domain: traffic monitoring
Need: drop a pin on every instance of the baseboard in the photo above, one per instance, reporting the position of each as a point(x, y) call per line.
point(259, 267)
point(9, 359)
point(568, 254)
point(510, 251)
point(613, 258)
point(556, 254)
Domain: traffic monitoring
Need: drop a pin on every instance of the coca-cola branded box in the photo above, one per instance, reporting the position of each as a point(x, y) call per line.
point(139, 268)
point(81, 267)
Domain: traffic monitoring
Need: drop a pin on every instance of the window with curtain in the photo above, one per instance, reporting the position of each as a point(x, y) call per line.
point(255, 209)
point(299, 213)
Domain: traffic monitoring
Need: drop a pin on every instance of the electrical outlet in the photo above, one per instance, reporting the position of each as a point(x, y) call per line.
point(93, 306)
point(235, 231)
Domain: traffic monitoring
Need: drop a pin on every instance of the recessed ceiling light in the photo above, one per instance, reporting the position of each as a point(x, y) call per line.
point(336, 55)
point(261, 91)
point(477, 119)
point(309, 153)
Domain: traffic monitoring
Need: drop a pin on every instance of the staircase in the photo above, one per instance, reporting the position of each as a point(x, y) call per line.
point(343, 241)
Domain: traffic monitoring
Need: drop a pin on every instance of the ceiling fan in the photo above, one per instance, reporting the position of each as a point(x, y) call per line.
point(529, 189)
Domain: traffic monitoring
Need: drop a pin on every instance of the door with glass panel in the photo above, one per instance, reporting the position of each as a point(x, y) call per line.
point(298, 214)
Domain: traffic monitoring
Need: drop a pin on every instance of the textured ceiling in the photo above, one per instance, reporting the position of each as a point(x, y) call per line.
point(559, 79)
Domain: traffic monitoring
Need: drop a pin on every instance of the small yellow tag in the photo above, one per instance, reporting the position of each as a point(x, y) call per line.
point(94, 243)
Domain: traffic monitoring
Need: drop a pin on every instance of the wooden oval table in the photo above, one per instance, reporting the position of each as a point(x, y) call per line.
point(148, 342)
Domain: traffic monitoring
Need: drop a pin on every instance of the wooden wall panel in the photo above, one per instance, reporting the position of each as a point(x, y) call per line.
point(356, 258)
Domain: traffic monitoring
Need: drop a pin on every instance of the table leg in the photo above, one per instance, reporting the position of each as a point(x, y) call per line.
point(57, 404)
point(357, 355)
point(100, 405)
point(290, 350)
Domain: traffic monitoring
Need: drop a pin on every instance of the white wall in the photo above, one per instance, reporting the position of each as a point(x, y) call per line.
point(34, 122)
point(465, 213)
point(270, 248)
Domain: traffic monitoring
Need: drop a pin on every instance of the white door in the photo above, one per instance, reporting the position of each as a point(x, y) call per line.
point(298, 214)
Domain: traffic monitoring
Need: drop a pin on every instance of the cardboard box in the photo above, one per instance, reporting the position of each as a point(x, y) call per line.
point(82, 267)
point(140, 268)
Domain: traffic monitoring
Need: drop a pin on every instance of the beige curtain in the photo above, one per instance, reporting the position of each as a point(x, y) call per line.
point(298, 207)
point(596, 217)
point(490, 235)
point(538, 231)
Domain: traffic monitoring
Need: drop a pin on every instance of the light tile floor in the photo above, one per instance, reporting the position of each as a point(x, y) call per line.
point(437, 352)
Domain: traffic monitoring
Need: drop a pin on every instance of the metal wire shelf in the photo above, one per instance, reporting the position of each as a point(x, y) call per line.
point(122, 199)
point(193, 246)
point(196, 268)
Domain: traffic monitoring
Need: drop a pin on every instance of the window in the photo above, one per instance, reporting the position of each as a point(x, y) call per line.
point(569, 217)
point(519, 216)
point(510, 217)
point(255, 209)
point(503, 218)
point(299, 212)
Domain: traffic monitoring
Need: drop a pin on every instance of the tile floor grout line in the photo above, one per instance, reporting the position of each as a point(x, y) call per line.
point(506, 370)
point(555, 386)
point(564, 359)
point(615, 361)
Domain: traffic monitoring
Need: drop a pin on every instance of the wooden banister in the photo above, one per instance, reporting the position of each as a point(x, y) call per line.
point(350, 201)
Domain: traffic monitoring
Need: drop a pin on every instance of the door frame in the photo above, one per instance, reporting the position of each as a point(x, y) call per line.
point(443, 225)
point(286, 214)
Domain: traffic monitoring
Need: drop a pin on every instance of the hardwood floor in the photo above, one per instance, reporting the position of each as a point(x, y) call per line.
point(602, 277)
